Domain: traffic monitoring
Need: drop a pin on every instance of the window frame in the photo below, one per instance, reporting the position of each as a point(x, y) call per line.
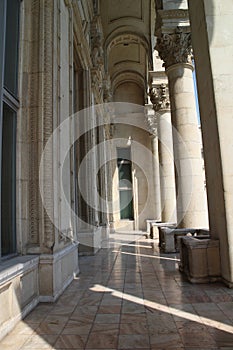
point(128, 162)
point(12, 102)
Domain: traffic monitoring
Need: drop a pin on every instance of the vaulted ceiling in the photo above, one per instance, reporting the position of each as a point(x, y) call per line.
point(128, 27)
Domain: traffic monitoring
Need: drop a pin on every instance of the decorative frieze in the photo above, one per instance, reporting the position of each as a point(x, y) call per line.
point(97, 57)
point(171, 14)
point(175, 47)
point(159, 97)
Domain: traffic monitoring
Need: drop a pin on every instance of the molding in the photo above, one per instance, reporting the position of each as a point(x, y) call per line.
point(17, 266)
point(53, 258)
point(170, 14)
point(126, 76)
point(125, 37)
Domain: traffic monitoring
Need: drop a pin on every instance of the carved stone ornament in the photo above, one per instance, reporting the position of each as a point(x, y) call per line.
point(97, 52)
point(175, 48)
point(152, 124)
point(107, 91)
point(159, 97)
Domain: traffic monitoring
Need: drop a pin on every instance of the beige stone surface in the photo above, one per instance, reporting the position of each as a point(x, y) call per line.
point(209, 19)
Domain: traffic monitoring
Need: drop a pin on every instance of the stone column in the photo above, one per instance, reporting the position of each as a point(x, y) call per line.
point(160, 98)
point(175, 50)
point(152, 126)
point(211, 23)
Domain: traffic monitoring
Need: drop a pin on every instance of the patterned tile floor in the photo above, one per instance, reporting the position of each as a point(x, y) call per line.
point(130, 297)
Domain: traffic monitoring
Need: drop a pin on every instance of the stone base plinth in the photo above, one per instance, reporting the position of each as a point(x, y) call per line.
point(124, 225)
point(56, 272)
point(200, 259)
point(90, 241)
point(19, 292)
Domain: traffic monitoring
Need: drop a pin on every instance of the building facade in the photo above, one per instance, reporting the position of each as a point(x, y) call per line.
point(99, 133)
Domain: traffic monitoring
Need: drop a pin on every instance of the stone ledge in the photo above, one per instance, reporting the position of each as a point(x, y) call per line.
point(19, 292)
point(56, 272)
point(19, 265)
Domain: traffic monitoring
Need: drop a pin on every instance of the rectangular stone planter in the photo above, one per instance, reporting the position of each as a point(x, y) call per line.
point(169, 238)
point(200, 259)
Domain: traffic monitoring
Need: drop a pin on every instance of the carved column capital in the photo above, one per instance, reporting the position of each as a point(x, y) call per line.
point(175, 48)
point(159, 97)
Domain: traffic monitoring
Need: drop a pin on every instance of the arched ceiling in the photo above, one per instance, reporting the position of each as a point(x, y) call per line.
point(127, 29)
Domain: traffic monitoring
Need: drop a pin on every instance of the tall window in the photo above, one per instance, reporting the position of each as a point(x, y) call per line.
point(125, 183)
point(9, 38)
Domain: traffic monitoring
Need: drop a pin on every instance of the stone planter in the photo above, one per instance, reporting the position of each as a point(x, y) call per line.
point(200, 259)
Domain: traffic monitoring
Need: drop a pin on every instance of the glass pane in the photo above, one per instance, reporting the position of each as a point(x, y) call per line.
point(125, 178)
point(8, 245)
point(126, 204)
point(124, 153)
point(11, 46)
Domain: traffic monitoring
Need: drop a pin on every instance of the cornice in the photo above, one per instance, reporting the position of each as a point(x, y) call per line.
point(169, 14)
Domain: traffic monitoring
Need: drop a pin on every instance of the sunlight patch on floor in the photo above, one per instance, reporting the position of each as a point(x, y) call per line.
point(163, 308)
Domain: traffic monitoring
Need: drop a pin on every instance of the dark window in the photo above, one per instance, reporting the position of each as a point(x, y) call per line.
point(125, 183)
point(9, 39)
point(11, 46)
point(8, 181)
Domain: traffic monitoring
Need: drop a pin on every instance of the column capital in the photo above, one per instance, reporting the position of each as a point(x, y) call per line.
point(175, 47)
point(159, 96)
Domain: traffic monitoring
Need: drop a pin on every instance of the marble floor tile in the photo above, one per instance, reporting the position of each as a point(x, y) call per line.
point(166, 341)
point(132, 298)
point(76, 327)
point(134, 328)
point(131, 318)
point(133, 341)
point(14, 341)
point(71, 341)
point(50, 328)
point(23, 328)
point(109, 309)
point(199, 338)
point(107, 318)
point(102, 339)
point(40, 342)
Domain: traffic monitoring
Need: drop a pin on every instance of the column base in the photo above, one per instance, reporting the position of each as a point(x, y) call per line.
point(56, 272)
point(90, 241)
point(229, 284)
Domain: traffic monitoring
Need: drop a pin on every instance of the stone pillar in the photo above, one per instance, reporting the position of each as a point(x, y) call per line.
point(152, 126)
point(212, 25)
point(175, 50)
point(160, 98)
